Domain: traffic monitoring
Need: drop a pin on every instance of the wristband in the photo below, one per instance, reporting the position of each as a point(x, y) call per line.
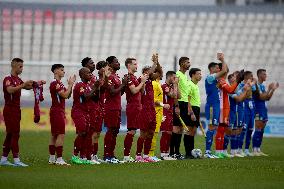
point(161, 104)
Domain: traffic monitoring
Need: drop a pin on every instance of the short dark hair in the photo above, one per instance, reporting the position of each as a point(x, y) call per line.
point(110, 59)
point(101, 64)
point(56, 66)
point(17, 60)
point(259, 71)
point(246, 73)
point(193, 71)
point(128, 61)
point(170, 73)
point(230, 76)
point(211, 65)
point(85, 61)
point(182, 59)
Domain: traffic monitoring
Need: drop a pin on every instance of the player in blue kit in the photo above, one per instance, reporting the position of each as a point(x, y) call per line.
point(212, 107)
point(249, 113)
point(261, 116)
point(236, 114)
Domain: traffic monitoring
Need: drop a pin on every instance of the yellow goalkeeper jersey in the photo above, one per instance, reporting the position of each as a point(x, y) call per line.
point(158, 94)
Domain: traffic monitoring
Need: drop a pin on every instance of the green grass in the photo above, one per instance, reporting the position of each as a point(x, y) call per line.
point(253, 172)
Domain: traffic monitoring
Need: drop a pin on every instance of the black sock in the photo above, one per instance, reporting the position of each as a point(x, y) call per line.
point(173, 143)
point(191, 143)
point(186, 142)
point(178, 140)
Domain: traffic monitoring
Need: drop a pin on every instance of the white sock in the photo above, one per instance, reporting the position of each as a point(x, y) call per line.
point(145, 156)
point(163, 154)
point(51, 157)
point(16, 160)
point(59, 159)
point(3, 158)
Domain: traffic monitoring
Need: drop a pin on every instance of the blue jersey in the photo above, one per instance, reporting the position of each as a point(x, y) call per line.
point(236, 108)
point(260, 104)
point(233, 104)
point(212, 91)
point(212, 106)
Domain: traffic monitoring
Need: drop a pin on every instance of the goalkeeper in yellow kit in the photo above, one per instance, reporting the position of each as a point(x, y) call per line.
point(158, 99)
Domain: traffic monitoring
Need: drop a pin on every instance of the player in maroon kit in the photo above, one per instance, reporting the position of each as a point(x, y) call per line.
point(112, 110)
point(170, 94)
point(147, 117)
point(94, 113)
point(104, 73)
point(82, 95)
point(57, 113)
point(133, 97)
point(12, 86)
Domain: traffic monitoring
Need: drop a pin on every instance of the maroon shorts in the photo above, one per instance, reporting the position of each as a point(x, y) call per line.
point(81, 120)
point(12, 119)
point(112, 118)
point(167, 124)
point(57, 121)
point(147, 120)
point(132, 115)
point(96, 119)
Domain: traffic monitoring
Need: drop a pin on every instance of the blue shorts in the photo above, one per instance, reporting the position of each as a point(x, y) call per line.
point(249, 118)
point(261, 115)
point(236, 119)
point(212, 113)
point(233, 119)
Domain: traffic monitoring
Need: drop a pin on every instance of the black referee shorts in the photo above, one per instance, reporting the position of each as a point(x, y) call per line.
point(196, 111)
point(183, 106)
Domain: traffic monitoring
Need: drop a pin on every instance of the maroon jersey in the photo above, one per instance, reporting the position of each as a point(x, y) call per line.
point(93, 104)
point(166, 98)
point(12, 99)
point(132, 99)
point(57, 101)
point(113, 101)
point(147, 98)
point(79, 101)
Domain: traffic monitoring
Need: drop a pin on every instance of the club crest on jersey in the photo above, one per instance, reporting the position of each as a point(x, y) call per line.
point(82, 89)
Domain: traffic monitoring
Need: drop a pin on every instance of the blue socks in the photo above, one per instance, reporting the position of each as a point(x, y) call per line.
point(248, 138)
point(209, 139)
point(234, 141)
point(226, 141)
point(241, 138)
point(256, 139)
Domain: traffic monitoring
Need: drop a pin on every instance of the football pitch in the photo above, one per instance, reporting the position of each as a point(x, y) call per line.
point(250, 172)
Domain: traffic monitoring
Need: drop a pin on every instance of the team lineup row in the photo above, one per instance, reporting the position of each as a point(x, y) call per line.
point(172, 109)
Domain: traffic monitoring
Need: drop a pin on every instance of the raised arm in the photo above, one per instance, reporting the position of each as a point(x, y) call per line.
point(67, 94)
point(224, 69)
